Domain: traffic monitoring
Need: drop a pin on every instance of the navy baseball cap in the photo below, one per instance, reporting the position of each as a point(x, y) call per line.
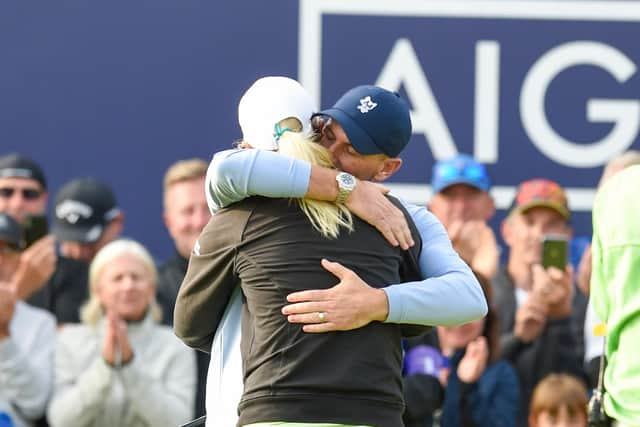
point(374, 119)
point(461, 169)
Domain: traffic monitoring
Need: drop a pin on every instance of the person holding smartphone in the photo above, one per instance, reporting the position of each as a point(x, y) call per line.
point(23, 196)
point(55, 283)
point(535, 304)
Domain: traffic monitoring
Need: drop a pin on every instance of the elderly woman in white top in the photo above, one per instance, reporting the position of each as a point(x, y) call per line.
point(120, 367)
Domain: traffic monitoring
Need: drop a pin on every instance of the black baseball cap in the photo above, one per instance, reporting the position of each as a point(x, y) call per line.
point(18, 166)
point(10, 231)
point(83, 209)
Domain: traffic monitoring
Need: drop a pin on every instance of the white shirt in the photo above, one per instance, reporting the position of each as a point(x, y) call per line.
point(26, 364)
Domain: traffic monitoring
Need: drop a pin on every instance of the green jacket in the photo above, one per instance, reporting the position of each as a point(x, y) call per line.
point(615, 289)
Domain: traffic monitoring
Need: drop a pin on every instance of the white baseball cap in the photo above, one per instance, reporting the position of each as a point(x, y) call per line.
point(268, 101)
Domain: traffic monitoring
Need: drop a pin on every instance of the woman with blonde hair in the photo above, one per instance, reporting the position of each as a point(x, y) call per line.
point(272, 247)
point(120, 367)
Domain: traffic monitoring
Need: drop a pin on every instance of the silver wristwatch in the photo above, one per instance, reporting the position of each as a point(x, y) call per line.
point(346, 184)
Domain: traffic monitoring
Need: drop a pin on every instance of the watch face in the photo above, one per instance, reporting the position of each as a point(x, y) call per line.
point(347, 180)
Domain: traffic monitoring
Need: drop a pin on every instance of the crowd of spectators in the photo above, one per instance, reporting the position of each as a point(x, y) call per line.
point(85, 315)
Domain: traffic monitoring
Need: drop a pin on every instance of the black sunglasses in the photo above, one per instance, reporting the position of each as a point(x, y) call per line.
point(319, 122)
point(27, 193)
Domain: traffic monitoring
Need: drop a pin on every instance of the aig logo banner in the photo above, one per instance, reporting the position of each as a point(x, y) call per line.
point(530, 88)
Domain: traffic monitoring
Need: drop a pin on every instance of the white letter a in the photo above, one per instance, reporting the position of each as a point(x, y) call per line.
point(403, 69)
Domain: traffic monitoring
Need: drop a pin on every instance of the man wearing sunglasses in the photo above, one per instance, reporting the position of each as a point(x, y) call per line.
point(462, 202)
point(48, 281)
point(27, 340)
point(23, 194)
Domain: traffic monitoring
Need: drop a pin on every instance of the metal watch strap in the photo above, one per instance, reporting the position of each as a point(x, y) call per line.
point(343, 191)
point(343, 195)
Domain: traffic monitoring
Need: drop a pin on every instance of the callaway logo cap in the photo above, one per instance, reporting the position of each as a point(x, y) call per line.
point(83, 208)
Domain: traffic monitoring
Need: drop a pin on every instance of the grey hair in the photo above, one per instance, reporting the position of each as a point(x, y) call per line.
point(92, 311)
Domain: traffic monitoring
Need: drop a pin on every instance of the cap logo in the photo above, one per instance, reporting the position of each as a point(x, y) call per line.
point(94, 233)
point(72, 210)
point(366, 105)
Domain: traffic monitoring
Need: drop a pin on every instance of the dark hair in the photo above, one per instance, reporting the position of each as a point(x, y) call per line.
point(491, 329)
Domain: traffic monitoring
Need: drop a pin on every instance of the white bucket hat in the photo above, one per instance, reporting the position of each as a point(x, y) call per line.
point(268, 101)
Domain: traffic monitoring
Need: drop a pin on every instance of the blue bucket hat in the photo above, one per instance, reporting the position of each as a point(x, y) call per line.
point(374, 119)
point(461, 169)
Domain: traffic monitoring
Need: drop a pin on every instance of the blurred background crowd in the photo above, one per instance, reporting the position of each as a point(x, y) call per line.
point(102, 112)
point(85, 314)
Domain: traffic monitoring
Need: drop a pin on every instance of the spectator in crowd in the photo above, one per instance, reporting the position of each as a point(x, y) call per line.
point(481, 389)
point(27, 340)
point(465, 376)
point(23, 187)
point(54, 283)
point(120, 368)
point(539, 335)
point(461, 201)
point(559, 400)
point(185, 215)
point(615, 294)
point(23, 194)
point(87, 217)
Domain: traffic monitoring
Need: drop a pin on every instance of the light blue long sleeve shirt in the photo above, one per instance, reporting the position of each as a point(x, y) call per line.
point(449, 293)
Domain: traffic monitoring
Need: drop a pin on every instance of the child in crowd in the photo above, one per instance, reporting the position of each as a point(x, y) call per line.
point(559, 400)
point(459, 370)
point(481, 389)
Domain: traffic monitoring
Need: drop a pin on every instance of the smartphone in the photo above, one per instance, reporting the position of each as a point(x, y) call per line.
point(34, 228)
point(555, 251)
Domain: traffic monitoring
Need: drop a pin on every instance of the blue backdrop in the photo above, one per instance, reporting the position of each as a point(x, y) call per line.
point(120, 90)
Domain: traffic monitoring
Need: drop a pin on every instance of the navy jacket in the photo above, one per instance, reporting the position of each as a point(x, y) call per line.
point(492, 401)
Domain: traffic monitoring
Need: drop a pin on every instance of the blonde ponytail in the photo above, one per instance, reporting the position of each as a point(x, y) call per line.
point(326, 217)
